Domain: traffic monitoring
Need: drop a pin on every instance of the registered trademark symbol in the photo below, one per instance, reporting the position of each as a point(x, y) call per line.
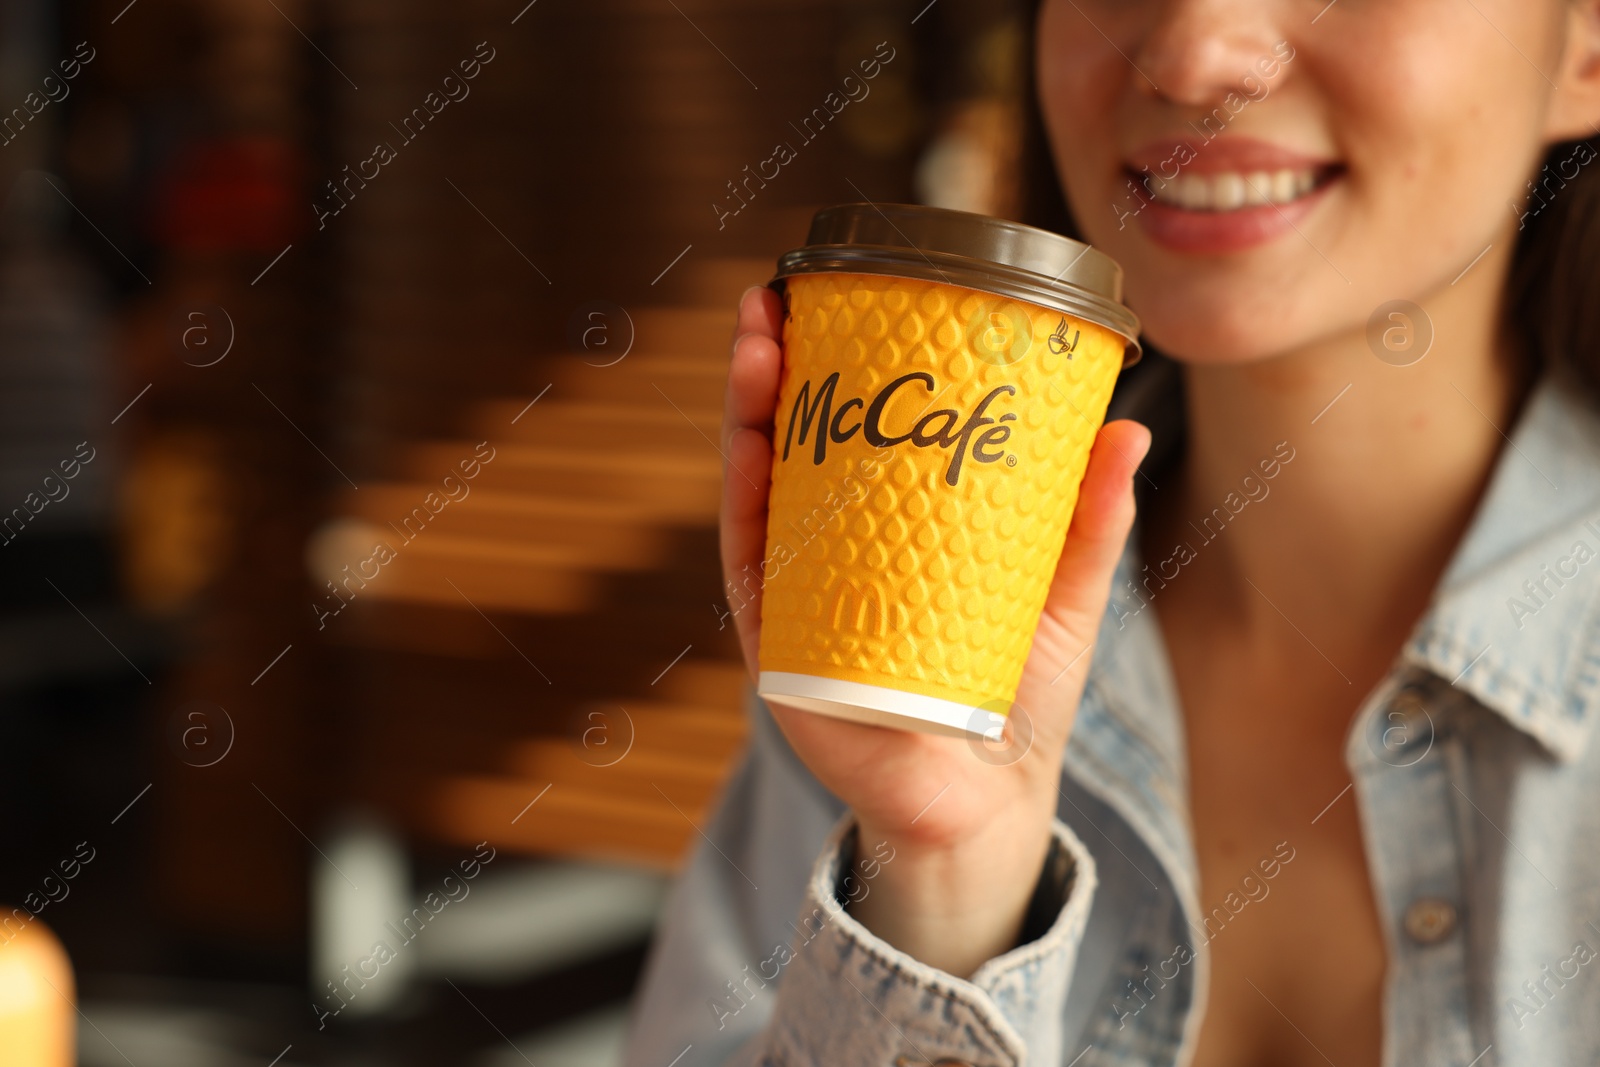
point(1011, 460)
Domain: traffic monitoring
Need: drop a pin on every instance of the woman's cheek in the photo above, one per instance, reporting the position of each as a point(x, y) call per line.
point(1079, 104)
point(1433, 147)
point(1080, 75)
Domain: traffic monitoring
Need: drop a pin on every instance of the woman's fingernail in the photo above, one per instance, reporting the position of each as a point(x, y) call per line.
point(1144, 449)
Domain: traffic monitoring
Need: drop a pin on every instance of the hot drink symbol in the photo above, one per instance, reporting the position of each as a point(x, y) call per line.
point(1059, 342)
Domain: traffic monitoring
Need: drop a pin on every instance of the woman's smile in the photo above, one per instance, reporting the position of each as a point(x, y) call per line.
point(1213, 197)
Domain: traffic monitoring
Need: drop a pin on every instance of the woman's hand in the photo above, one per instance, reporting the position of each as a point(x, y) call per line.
point(969, 823)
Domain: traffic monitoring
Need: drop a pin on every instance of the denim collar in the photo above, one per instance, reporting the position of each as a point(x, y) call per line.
point(1514, 621)
point(1536, 666)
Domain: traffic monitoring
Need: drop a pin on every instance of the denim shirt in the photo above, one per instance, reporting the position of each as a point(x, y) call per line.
point(1471, 765)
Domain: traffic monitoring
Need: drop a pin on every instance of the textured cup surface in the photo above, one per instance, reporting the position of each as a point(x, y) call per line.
point(928, 445)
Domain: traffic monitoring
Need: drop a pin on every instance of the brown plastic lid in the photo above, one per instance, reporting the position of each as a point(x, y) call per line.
point(974, 251)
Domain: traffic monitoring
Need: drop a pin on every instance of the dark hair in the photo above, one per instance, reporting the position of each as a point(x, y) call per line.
point(1551, 296)
point(1553, 290)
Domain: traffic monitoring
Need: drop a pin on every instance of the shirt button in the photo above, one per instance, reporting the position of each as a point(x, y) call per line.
point(1429, 920)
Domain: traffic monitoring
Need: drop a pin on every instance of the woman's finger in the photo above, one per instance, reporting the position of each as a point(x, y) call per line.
point(752, 393)
point(752, 384)
point(760, 311)
point(1100, 522)
point(743, 532)
point(1063, 644)
point(754, 363)
point(1076, 600)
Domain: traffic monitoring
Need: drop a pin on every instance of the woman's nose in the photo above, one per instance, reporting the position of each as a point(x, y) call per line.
point(1195, 52)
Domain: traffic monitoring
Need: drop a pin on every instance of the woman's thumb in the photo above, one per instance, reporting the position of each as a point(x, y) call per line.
point(1099, 532)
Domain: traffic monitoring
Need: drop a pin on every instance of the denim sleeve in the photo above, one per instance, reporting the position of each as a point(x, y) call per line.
point(757, 963)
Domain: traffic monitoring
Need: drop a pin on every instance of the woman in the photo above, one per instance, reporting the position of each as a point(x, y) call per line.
point(1323, 791)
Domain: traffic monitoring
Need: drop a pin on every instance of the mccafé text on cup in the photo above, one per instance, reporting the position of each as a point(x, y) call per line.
point(944, 375)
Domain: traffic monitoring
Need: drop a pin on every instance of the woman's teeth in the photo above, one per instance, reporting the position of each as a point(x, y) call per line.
point(1232, 190)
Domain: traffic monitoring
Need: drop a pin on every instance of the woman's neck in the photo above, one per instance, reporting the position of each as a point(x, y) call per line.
point(1350, 535)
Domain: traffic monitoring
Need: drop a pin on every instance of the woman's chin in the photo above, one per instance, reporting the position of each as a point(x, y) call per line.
point(1210, 336)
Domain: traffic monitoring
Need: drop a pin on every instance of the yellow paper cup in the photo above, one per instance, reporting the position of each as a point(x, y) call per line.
point(944, 377)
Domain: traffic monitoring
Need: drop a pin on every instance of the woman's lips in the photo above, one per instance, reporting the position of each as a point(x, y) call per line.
point(1231, 194)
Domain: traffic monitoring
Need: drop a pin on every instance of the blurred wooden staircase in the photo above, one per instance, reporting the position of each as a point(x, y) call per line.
point(573, 592)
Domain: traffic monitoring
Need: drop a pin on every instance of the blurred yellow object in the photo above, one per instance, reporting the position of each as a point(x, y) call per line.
point(37, 1026)
point(176, 530)
point(905, 574)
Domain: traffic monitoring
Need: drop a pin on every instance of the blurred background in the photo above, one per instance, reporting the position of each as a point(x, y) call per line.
point(361, 364)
